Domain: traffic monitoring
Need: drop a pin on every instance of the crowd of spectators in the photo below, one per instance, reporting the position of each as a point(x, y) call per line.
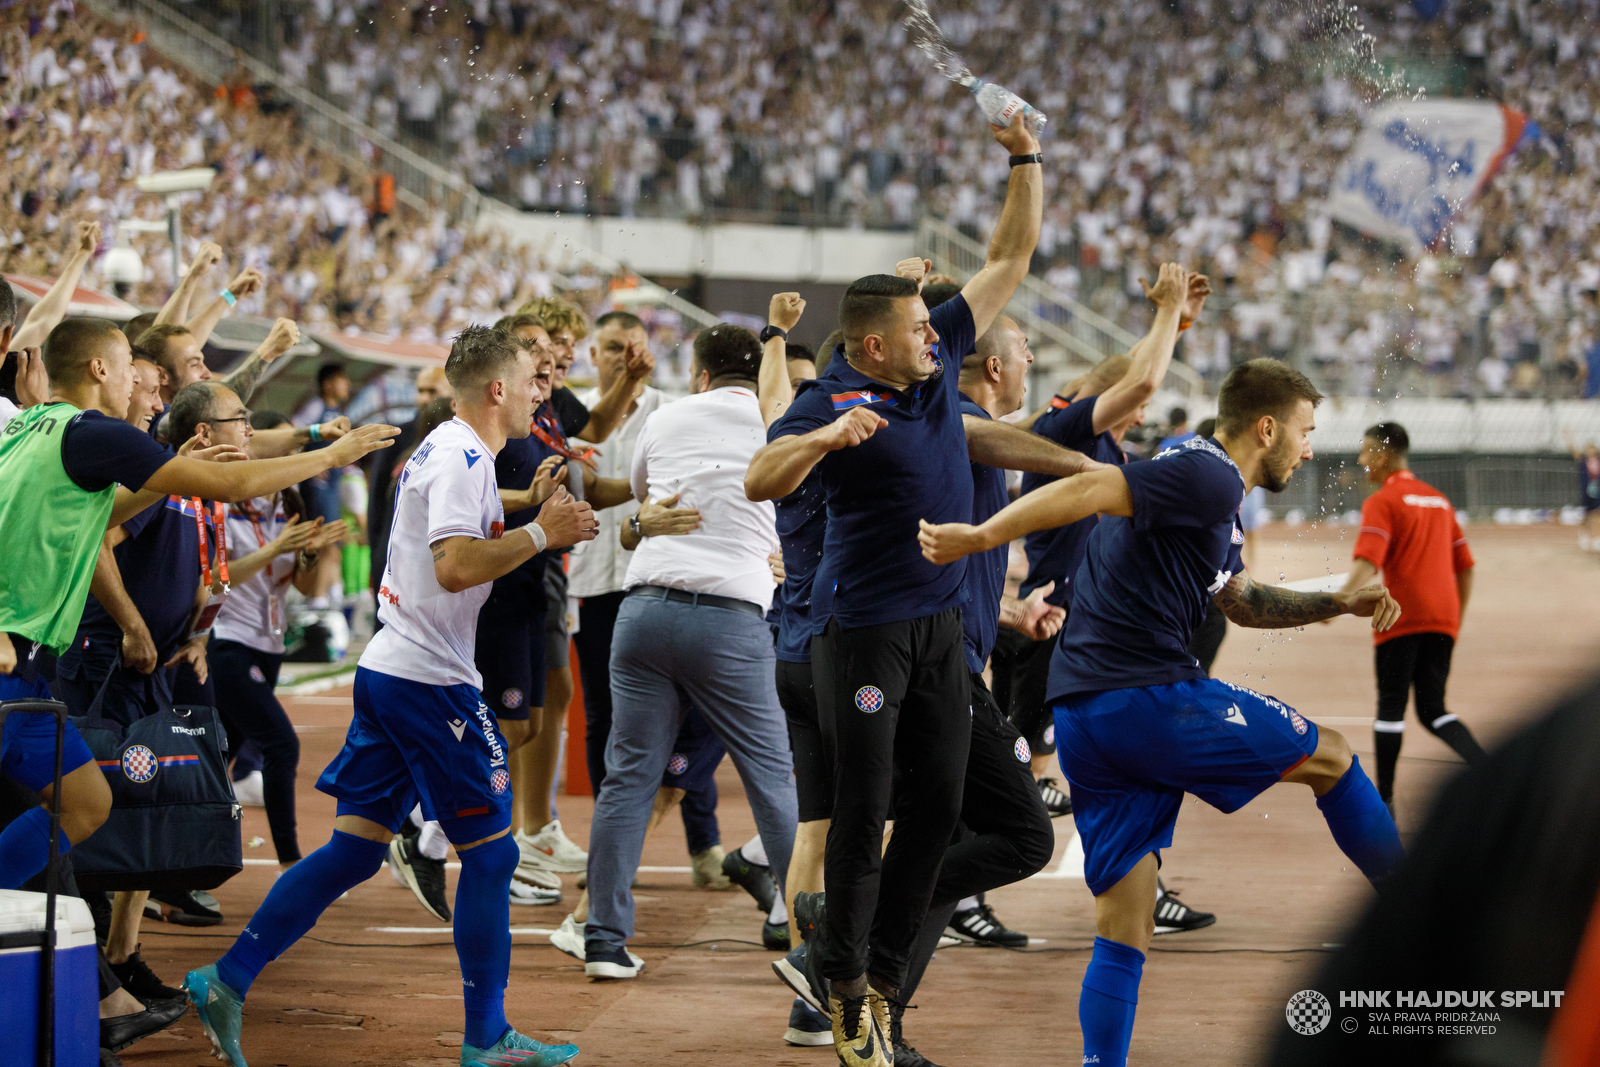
point(1197, 130)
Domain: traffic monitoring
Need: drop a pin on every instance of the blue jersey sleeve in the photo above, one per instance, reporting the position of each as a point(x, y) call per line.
point(1071, 426)
point(99, 451)
point(812, 409)
point(952, 321)
point(1190, 488)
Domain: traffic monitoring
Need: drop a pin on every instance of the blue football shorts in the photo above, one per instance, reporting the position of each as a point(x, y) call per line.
point(28, 746)
point(1130, 755)
point(411, 743)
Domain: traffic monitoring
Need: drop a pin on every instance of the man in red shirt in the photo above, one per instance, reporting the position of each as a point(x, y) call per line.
point(1409, 532)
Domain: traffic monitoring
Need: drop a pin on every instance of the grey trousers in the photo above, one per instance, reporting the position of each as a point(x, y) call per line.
point(666, 655)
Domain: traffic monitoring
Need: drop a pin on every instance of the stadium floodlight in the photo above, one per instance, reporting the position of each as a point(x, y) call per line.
point(170, 184)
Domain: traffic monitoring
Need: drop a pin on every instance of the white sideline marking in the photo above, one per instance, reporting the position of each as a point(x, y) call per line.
point(1071, 865)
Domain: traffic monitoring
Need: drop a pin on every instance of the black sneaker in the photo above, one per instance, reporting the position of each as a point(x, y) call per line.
point(137, 978)
point(753, 878)
point(1056, 801)
point(798, 970)
point(1175, 917)
point(182, 906)
point(904, 1054)
point(775, 936)
point(981, 926)
point(424, 876)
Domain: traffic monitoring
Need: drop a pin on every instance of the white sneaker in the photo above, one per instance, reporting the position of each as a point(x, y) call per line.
point(538, 877)
point(550, 850)
point(569, 938)
point(249, 791)
point(537, 896)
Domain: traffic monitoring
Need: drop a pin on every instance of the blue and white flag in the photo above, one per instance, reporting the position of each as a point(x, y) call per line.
point(1416, 164)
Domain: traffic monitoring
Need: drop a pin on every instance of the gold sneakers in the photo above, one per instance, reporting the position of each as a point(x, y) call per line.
point(859, 1037)
point(707, 868)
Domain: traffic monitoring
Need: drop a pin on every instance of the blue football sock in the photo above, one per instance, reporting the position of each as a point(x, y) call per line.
point(25, 847)
point(298, 898)
point(1109, 998)
point(483, 936)
point(1361, 824)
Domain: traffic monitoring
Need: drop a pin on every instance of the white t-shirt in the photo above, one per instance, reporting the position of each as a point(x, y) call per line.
point(7, 410)
point(600, 566)
point(253, 612)
point(700, 448)
point(446, 490)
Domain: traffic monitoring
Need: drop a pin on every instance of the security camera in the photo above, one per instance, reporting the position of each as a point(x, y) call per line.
point(176, 181)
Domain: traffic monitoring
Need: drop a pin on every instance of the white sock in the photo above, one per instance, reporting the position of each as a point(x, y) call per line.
point(416, 817)
point(968, 904)
point(779, 914)
point(754, 851)
point(433, 844)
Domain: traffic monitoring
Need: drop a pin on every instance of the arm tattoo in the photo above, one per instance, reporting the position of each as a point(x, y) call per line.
point(1268, 607)
point(438, 554)
point(243, 381)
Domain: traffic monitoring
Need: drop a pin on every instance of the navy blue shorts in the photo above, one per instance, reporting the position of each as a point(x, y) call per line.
point(434, 744)
point(695, 755)
point(28, 748)
point(1130, 755)
point(510, 653)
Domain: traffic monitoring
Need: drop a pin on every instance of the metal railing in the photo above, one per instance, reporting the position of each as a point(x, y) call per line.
point(419, 182)
point(1080, 330)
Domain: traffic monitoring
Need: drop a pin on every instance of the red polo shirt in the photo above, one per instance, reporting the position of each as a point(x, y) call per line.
point(1409, 531)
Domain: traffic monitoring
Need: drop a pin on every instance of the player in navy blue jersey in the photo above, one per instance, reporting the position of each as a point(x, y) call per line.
point(884, 428)
point(1138, 723)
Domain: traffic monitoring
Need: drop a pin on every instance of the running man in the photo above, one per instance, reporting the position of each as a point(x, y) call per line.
point(420, 729)
point(1138, 724)
point(1409, 532)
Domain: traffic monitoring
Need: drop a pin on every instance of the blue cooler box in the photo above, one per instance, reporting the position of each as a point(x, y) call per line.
point(77, 982)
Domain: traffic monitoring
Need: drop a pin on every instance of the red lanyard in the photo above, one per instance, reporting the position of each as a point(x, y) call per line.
point(546, 430)
point(217, 523)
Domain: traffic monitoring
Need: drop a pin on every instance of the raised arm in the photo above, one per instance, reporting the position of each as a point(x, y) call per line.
point(1000, 444)
point(283, 336)
point(52, 307)
point(1100, 492)
point(637, 365)
point(773, 386)
point(1173, 294)
point(282, 440)
point(248, 281)
point(1271, 607)
point(262, 477)
point(1016, 235)
point(779, 468)
point(459, 563)
point(176, 309)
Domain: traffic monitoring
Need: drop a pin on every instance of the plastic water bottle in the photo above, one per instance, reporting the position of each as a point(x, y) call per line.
point(1000, 105)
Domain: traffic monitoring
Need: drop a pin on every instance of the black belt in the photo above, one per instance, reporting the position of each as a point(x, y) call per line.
point(704, 600)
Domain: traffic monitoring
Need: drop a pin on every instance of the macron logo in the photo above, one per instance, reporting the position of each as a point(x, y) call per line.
point(472, 457)
point(1236, 716)
point(458, 728)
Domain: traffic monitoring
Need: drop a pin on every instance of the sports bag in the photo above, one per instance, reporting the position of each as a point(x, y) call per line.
point(174, 820)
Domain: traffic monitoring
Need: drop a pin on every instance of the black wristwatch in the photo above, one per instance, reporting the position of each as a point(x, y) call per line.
point(1036, 157)
point(633, 525)
point(769, 332)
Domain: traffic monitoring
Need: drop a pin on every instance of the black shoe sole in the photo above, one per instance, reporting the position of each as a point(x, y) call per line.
point(1201, 924)
point(178, 917)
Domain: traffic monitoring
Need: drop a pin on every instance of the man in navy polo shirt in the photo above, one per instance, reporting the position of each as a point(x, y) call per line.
point(885, 429)
point(1138, 722)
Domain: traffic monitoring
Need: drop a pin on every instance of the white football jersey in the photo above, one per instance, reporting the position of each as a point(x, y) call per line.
point(446, 490)
point(253, 613)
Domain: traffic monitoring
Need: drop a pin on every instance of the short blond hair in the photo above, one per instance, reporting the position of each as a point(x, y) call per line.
point(558, 315)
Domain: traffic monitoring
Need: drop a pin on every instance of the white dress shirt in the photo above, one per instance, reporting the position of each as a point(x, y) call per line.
point(598, 567)
point(700, 448)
